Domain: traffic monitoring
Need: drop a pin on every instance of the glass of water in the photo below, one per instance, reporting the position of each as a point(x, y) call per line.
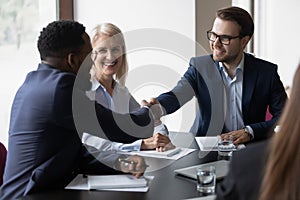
point(206, 179)
point(226, 147)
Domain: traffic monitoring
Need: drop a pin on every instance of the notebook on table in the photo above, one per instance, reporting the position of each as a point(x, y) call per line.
point(222, 167)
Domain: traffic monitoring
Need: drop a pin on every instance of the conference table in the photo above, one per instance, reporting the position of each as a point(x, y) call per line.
point(165, 185)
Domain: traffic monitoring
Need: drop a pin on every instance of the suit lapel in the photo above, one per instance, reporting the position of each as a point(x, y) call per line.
point(249, 80)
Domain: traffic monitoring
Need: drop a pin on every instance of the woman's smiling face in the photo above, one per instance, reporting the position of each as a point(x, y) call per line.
point(108, 55)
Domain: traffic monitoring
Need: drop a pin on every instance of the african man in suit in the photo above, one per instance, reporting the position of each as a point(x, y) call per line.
point(44, 148)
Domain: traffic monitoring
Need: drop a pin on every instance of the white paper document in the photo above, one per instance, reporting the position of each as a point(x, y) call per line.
point(210, 143)
point(78, 183)
point(115, 181)
point(173, 154)
point(122, 182)
point(209, 197)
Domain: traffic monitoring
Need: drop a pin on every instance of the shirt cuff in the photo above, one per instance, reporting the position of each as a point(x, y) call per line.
point(162, 129)
point(135, 146)
point(250, 131)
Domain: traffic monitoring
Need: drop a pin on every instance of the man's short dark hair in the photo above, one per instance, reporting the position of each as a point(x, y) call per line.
point(60, 38)
point(240, 16)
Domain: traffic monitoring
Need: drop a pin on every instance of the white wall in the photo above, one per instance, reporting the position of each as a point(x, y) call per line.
point(160, 39)
point(278, 35)
point(176, 15)
point(205, 16)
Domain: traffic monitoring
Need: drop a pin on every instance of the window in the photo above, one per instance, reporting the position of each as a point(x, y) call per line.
point(21, 22)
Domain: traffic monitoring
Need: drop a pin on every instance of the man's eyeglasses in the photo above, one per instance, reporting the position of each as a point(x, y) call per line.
point(224, 39)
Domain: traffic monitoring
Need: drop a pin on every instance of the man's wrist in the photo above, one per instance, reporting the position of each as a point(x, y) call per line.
point(248, 132)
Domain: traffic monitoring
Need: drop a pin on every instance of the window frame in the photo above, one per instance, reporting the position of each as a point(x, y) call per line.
point(65, 9)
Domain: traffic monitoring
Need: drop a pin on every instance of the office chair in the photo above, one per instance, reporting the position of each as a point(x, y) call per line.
point(268, 115)
point(3, 153)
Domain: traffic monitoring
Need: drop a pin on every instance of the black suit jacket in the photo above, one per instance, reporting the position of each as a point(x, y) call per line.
point(245, 175)
point(44, 147)
point(261, 88)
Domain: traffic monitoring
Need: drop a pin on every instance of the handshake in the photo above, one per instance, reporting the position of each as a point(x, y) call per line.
point(160, 140)
point(155, 108)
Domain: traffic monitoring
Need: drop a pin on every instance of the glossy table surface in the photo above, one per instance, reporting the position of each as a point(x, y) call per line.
point(165, 185)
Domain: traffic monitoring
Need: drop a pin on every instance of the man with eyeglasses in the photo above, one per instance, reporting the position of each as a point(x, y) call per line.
point(233, 88)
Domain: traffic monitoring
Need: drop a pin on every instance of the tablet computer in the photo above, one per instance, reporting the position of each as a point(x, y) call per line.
point(222, 167)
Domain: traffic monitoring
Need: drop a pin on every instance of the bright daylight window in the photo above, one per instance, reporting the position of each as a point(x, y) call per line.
point(21, 21)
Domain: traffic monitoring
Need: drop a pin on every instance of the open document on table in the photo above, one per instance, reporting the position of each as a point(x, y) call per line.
point(173, 154)
point(123, 182)
point(210, 143)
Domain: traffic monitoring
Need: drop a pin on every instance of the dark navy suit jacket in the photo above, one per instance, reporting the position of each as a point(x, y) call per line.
point(262, 87)
point(44, 148)
point(246, 173)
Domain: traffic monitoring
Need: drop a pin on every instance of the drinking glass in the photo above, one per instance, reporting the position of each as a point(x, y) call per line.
point(226, 147)
point(206, 179)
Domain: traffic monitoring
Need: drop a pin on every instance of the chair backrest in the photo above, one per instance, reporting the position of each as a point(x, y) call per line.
point(268, 115)
point(3, 153)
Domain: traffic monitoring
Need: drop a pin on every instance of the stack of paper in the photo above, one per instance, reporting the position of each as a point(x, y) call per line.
point(110, 182)
point(115, 181)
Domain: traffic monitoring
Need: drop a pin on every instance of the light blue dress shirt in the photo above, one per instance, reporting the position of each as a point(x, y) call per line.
point(234, 92)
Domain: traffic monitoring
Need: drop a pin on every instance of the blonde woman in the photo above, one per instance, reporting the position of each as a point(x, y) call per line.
point(108, 76)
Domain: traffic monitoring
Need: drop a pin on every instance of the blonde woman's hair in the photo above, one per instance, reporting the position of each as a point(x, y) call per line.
point(108, 29)
point(282, 173)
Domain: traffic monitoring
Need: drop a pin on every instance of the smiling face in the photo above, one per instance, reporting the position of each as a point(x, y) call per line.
point(228, 54)
point(107, 56)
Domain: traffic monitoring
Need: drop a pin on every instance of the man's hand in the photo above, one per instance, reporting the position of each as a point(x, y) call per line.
point(238, 137)
point(151, 102)
point(145, 103)
point(155, 108)
point(166, 148)
point(134, 165)
point(157, 141)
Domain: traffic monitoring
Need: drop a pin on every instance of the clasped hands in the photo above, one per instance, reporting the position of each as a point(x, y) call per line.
point(159, 142)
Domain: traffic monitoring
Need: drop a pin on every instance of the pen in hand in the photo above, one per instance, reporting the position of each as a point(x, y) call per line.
point(174, 152)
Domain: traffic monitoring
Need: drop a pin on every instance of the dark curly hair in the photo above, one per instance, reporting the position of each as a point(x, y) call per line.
point(59, 38)
point(240, 16)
